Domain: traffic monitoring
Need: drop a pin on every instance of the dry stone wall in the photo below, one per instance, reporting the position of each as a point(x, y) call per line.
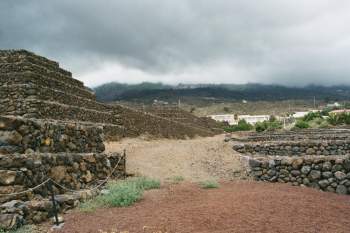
point(20, 135)
point(77, 171)
point(328, 173)
point(295, 148)
point(73, 170)
point(32, 151)
point(312, 134)
point(318, 158)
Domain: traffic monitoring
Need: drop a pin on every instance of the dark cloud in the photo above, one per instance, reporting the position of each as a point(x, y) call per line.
point(271, 41)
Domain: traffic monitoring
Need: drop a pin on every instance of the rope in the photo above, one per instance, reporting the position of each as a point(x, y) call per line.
point(63, 187)
point(94, 188)
point(26, 191)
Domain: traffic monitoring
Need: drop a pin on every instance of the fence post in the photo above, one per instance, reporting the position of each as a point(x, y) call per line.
point(124, 163)
point(54, 207)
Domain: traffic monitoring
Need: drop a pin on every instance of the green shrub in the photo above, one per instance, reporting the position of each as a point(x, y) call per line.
point(312, 115)
point(209, 184)
point(274, 125)
point(241, 126)
point(260, 127)
point(338, 119)
point(324, 124)
point(272, 118)
point(268, 126)
point(121, 193)
point(145, 183)
point(302, 124)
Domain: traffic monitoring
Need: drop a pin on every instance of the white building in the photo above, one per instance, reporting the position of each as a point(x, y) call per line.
point(335, 105)
point(253, 119)
point(302, 114)
point(229, 118)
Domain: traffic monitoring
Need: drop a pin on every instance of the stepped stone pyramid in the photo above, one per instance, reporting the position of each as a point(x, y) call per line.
point(32, 86)
point(35, 87)
point(51, 128)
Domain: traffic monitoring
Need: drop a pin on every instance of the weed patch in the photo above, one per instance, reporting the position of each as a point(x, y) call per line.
point(24, 229)
point(121, 193)
point(209, 184)
point(176, 179)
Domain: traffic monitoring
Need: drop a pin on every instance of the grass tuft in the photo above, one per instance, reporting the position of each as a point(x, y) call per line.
point(176, 179)
point(209, 184)
point(23, 229)
point(145, 183)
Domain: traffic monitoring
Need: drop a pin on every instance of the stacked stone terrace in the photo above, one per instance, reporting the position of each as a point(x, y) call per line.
point(35, 87)
point(174, 113)
point(50, 127)
point(317, 158)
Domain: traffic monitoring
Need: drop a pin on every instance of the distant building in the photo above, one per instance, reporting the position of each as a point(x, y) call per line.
point(229, 118)
point(160, 102)
point(302, 114)
point(253, 119)
point(340, 111)
point(299, 114)
point(335, 105)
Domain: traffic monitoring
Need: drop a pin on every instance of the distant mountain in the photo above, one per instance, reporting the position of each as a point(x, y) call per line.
point(147, 92)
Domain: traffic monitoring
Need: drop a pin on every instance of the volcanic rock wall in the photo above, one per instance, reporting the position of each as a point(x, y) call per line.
point(328, 173)
point(21, 135)
point(312, 158)
point(35, 87)
point(295, 148)
point(51, 132)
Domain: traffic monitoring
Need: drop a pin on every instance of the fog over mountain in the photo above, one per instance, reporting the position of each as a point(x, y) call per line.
point(187, 41)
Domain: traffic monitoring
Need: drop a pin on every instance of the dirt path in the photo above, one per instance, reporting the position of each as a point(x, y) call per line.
point(239, 206)
point(193, 159)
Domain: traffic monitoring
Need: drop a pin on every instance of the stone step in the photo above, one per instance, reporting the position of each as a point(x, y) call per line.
point(13, 56)
point(41, 80)
point(19, 67)
point(24, 91)
point(32, 108)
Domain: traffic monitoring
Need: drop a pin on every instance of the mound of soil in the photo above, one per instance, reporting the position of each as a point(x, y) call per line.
point(240, 207)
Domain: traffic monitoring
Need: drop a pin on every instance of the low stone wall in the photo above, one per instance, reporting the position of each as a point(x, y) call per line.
point(315, 135)
point(19, 135)
point(328, 173)
point(14, 214)
point(295, 148)
point(75, 171)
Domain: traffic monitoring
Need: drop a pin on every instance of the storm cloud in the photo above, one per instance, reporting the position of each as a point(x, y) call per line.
point(190, 41)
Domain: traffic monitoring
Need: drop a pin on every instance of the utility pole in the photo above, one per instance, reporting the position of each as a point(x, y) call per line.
point(314, 102)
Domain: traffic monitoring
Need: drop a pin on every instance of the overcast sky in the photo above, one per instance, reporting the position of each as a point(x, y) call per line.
point(190, 41)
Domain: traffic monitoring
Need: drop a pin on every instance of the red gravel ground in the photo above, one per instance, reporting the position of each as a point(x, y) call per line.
point(240, 206)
